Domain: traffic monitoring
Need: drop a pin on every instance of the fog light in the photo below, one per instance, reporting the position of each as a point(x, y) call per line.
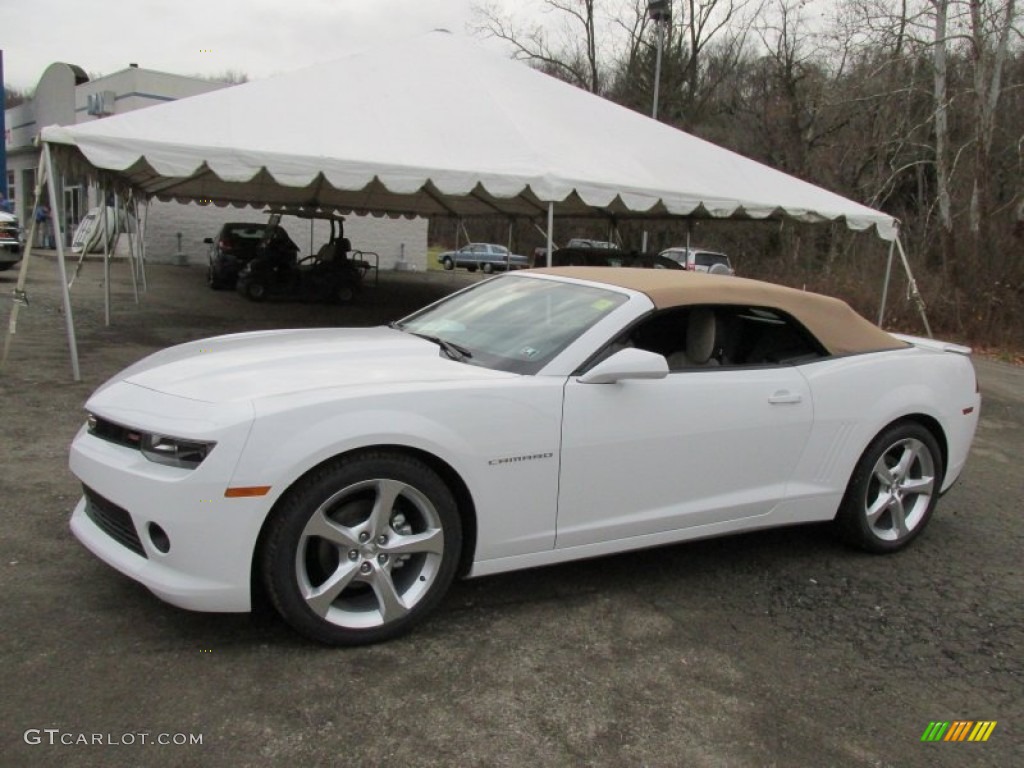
point(159, 537)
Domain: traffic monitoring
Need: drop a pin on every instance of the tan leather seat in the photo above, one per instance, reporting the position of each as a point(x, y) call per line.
point(701, 327)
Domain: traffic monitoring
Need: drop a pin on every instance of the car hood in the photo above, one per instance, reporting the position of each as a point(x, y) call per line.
point(251, 366)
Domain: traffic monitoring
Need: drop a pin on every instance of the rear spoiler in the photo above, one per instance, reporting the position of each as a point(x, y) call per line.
point(933, 344)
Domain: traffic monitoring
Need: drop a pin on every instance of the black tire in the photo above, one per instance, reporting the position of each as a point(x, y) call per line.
point(487, 268)
point(213, 281)
point(448, 264)
point(345, 293)
point(254, 290)
point(400, 561)
point(893, 489)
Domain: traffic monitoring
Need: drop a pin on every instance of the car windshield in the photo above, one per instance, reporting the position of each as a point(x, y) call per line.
point(511, 323)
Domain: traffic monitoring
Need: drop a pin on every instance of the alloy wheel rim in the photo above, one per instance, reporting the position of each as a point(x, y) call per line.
point(369, 554)
point(900, 490)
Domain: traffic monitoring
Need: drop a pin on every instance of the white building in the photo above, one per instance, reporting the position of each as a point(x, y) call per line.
point(65, 96)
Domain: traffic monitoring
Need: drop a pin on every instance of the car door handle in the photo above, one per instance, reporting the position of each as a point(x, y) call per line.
point(785, 397)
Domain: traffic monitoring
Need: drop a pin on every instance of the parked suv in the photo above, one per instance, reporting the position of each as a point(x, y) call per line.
point(232, 248)
point(700, 260)
point(484, 256)
point(10, 240)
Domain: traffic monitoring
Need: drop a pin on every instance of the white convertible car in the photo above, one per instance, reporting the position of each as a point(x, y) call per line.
point(530, 419)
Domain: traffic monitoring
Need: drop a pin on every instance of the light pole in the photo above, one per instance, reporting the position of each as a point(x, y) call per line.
point(658, 11)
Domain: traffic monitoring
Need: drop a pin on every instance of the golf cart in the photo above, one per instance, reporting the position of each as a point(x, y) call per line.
point(333, 274)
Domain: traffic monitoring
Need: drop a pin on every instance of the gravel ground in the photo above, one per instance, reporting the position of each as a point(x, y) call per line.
point(778, 648)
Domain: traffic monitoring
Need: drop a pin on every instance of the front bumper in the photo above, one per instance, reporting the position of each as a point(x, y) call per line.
point(212, 539)
point(165, 580)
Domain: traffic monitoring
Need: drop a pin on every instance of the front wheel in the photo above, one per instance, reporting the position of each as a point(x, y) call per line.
point(448, 264)
point(362, 549)
point(893, 489)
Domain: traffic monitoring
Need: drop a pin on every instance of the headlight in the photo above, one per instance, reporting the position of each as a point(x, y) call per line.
point(174, 451)
point(162, 449)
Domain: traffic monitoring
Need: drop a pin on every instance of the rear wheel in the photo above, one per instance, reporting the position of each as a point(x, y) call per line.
point(893, 489)
point(345, 294)
point(213, 281)
point(362, 549)
point(255, 290)
point(487, 268)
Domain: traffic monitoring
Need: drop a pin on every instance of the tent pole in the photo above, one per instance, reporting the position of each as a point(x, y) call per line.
point(81, 258)
point(131, 251)
point(508, 256)
point(19, 290)
point(132, 255)
point(140, 239)
point(106, 258)
point(551, 228)
point(885, 285)
point(915, 295)
point(69, 321)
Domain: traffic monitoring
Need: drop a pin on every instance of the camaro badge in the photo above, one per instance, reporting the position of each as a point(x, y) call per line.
point(517, 459)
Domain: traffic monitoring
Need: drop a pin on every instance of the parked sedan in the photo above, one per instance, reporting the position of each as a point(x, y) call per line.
point(484, 256)
point(531, 419)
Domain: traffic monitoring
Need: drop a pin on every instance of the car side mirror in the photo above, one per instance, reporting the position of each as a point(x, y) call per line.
point(629, 363)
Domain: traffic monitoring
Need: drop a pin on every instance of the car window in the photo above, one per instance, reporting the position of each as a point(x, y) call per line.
point(515, 324)
point(245, 231)
point(714, 336)
point(707, 259)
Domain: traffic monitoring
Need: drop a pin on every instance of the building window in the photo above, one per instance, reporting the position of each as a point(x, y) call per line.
point(12, 190)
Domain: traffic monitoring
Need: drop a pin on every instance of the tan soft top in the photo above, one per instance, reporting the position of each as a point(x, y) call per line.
point(832, 321)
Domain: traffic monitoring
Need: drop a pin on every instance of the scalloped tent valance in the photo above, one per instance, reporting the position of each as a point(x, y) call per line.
point(436, 125)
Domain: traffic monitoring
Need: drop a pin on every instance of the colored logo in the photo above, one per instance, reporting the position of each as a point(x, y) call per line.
point(959, 730)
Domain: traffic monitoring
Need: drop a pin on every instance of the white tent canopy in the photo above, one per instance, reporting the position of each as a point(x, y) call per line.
point(436, 125)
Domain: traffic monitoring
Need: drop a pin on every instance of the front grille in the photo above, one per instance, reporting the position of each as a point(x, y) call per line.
point(113, 521)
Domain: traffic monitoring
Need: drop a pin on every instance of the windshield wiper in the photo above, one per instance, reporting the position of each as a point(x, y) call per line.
point(454, 351)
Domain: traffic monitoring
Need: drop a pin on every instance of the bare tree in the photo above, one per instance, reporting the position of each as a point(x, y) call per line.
point(990, 29)
point(15, 96)
point(573, 56)
point(942, 156)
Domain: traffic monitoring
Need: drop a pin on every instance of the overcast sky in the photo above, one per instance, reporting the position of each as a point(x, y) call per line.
point(208, 37)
